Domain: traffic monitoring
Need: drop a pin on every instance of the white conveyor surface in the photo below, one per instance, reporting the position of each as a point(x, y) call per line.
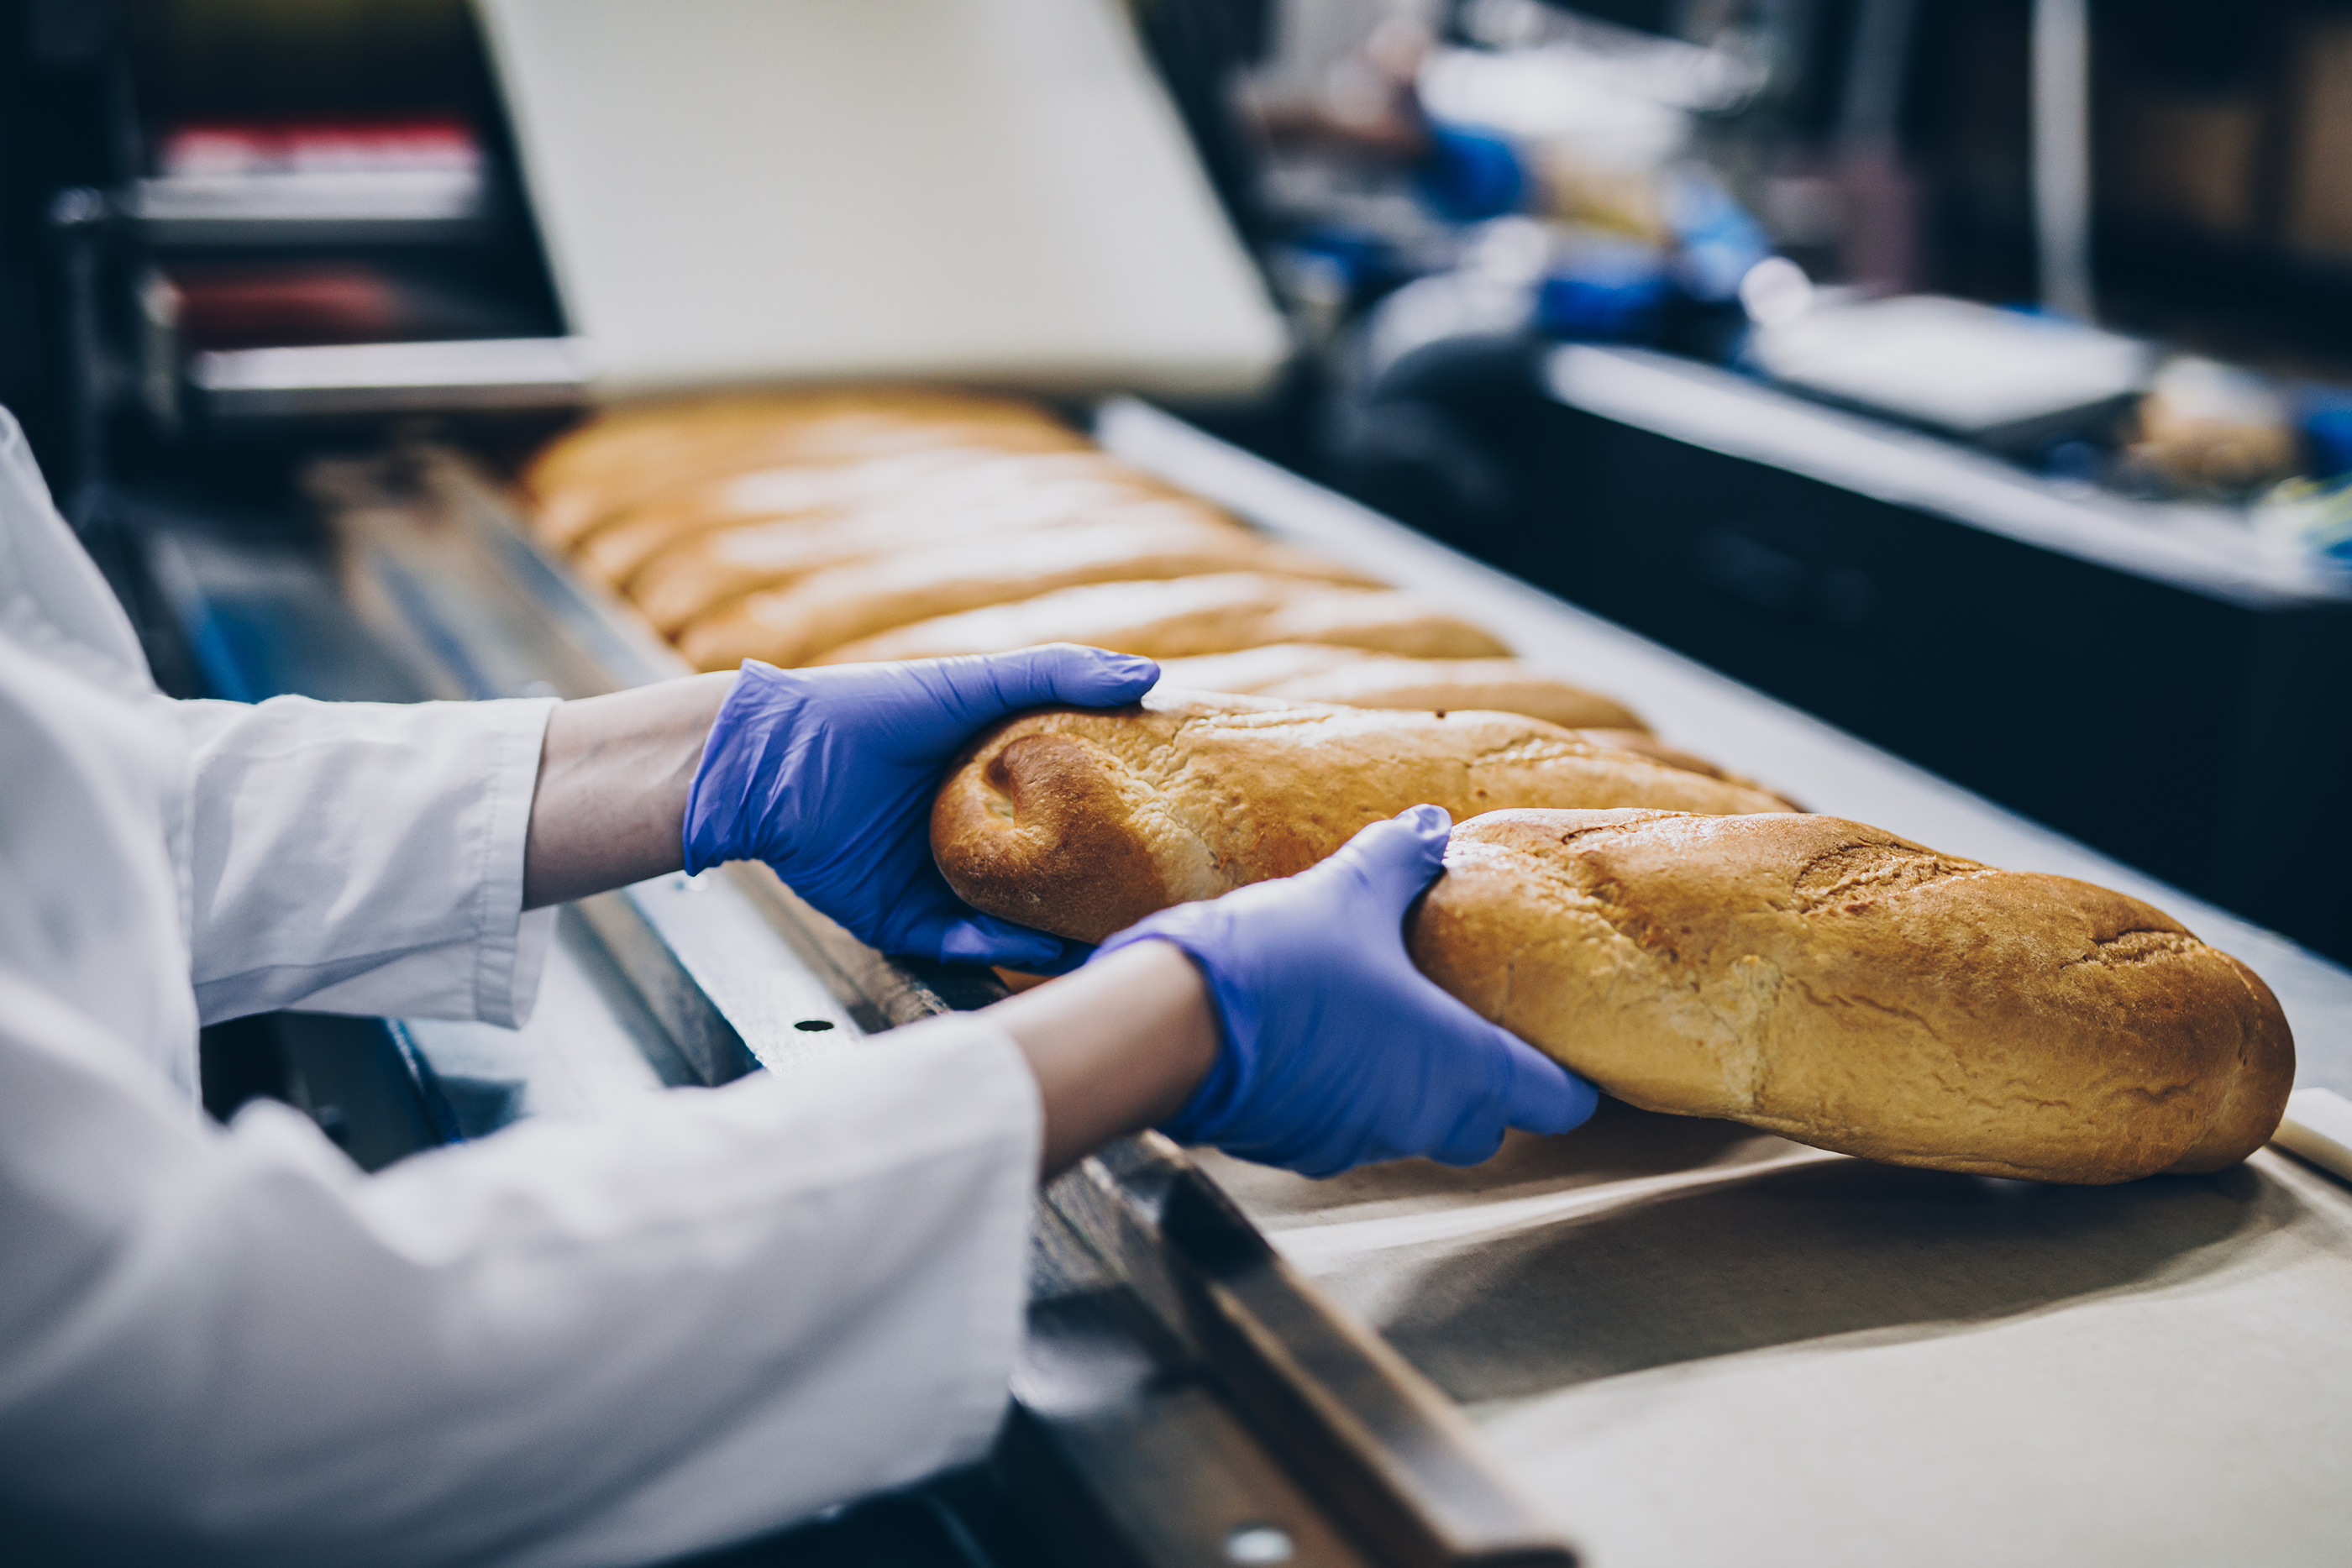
point(1691, 1343)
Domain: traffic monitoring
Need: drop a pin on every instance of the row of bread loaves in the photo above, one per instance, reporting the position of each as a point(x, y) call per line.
point(886, 523)
point(1668, 930)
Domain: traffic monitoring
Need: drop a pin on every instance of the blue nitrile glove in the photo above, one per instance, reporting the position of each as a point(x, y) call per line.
point(827, 775)
point(1336, 1051)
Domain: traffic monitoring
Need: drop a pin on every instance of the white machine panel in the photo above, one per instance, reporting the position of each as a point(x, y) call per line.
point(758, 191)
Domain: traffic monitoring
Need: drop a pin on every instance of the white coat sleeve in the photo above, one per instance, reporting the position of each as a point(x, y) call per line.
point(594, 1343)
point(362, 857)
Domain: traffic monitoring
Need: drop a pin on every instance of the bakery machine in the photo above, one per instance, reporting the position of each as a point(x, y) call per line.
point(1655, 1342)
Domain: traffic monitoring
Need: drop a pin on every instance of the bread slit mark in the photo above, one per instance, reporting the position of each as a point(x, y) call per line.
point(2140, 946)
point(1848, 878)
point(1569, 837)
point(1872, 1004)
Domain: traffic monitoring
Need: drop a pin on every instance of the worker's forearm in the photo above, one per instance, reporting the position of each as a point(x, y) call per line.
point(1116, 1047)
point(612, 780)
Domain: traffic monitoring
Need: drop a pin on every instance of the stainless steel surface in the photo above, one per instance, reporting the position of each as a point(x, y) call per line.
point(1112, 1410)
point(411, 206)
point(352, 379)
point(1388, 1452)
point(2205, 548)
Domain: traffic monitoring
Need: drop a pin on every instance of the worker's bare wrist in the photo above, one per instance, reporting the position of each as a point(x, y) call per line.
point(614, 776)
point(1117, 1047)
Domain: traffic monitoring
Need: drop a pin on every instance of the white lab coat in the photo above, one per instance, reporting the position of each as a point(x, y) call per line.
point(584, 1344)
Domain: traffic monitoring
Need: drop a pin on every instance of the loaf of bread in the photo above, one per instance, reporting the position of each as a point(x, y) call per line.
point(840, 439)
point(1249, 671)
point(797, 623)
point(1499, 685)
point(623, 458)
point(696, 576)
point(939, 483)
point(1647, 745)
point(1850, 990)
point(1210, 614)
point(1082, 822)
point(1356, 678)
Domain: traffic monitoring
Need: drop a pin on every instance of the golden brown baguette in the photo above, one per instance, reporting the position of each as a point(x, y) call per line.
point(679, 434)
point(796, 624)
point(621, 459)
point(1355, 678)
point(943, 479)
point(697, 576)
point(1249, 671)
point(1497, 686)
point(1082, 822)
point(1167, 620)
point(1650, 746)
point(1853, 990)
point(578, 513)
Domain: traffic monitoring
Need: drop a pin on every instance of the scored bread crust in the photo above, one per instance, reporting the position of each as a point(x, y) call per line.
point(624, 459)
point(699, 575)
point(1853, 990)
point(1081, 821)
point(968, 485)
point(1495, 686)
point(795, 623)
point(1180, 616)
point(1249, 671)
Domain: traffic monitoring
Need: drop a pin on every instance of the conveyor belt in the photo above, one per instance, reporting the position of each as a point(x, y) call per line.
point(1173, 1355)
point(1692, 1343)
point(1678, 1340)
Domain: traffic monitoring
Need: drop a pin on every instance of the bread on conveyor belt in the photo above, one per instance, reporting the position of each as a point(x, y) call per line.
point(944, 482)
point(797, 623)
point(567, 517)
point(1500, 685)
point(1358, 678)
point(621, 458)
point(1249, 671)
point(1850, 990)
point(1650, 746)
point(1210, 614)
point(1082, 822)
point(698, 575)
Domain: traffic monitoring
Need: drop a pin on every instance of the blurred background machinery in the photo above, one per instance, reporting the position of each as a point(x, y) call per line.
point(1972, 375)
point(2016, 335)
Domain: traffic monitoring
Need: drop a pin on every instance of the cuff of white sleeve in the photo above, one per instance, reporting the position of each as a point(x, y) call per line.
point(997, 1311)
point(512, 950)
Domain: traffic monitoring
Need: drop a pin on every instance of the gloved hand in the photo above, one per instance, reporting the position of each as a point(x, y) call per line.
point(827, 775)
point(1336, 1051)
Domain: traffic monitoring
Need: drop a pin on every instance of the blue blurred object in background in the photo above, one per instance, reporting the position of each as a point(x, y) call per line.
point(1611, 291)
point(1472, 175)
point(1718, 241)
point(2328, 436)
point(1366, 258)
